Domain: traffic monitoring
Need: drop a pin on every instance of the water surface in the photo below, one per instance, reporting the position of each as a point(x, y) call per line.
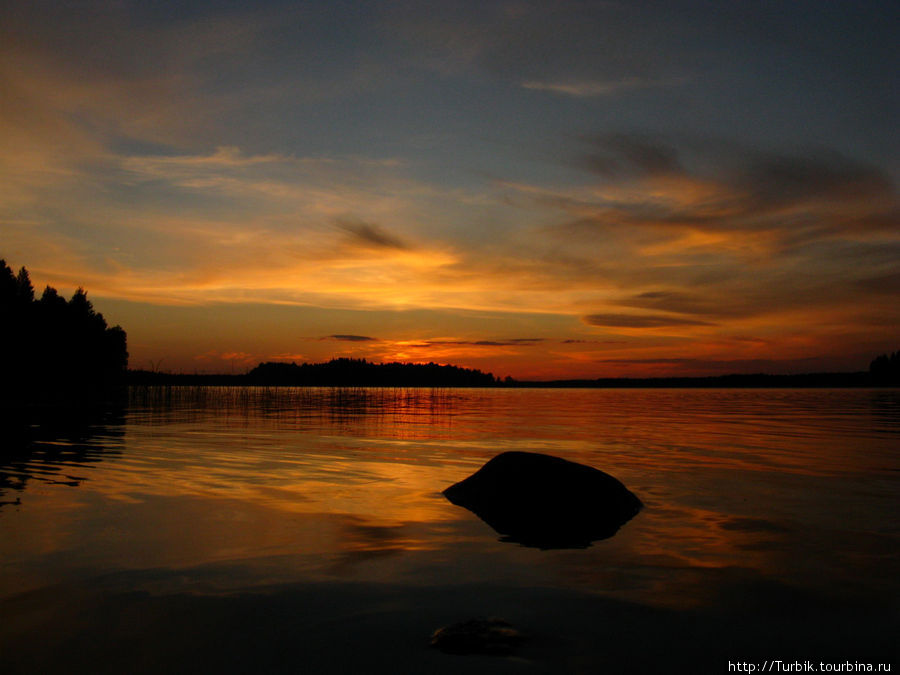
point(255, 529)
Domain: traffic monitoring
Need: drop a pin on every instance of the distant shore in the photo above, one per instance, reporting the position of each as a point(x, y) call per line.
point(736, 381)
point(399, 378)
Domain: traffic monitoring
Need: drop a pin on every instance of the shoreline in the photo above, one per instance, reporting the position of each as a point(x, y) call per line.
point(858, 380)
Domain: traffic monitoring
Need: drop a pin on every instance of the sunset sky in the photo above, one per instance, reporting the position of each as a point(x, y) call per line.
point(535, 189)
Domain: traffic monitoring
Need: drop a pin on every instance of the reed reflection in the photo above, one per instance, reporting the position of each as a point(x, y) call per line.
point(343, 409)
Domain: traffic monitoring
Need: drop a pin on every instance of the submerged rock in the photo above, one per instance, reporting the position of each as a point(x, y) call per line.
point(545, 502)
point(484, 635)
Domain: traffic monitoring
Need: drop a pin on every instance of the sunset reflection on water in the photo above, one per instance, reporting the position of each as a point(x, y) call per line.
point(225, 490)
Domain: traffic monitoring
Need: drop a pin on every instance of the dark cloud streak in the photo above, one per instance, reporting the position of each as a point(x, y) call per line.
point(887, 284)
point(618, 155)
point(369, 235)
point(773, 180)
point(679, 302)
point(512, 342)
point(640, 321)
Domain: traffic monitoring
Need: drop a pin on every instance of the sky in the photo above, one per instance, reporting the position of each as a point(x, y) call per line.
point(535, 189)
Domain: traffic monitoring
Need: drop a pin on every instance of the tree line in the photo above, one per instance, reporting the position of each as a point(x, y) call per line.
point(363, 373)
point(885, 369)
point(50, 343)
point(339, 372)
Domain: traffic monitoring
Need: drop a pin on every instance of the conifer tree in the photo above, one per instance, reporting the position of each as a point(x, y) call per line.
point(50, 343)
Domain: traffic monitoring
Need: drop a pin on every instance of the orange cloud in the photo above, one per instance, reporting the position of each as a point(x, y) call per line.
point(117, 176)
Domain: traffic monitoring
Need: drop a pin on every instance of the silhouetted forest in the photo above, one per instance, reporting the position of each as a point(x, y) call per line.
point(885, 369)
point(341, 372)
point(50, 345)
point(362, 373)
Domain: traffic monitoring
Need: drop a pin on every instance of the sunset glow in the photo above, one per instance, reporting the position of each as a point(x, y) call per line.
point(542, 191)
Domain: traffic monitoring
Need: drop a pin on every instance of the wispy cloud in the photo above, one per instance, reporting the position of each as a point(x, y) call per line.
point(648, 182)
point(591, 88)
point(640, 321)
point(222, 158)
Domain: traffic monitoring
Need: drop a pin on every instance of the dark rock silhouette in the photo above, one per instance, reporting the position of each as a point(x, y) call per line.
point(485, 635)
point(545, 502)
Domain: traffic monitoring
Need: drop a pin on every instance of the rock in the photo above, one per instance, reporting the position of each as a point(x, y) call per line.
point(545, 502)
point(484, 635)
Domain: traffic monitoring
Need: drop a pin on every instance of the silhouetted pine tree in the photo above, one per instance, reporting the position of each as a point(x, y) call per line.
point(50, 343)
point(885, 369)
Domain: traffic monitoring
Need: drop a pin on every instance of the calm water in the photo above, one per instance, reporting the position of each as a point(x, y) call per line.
point(257, 529)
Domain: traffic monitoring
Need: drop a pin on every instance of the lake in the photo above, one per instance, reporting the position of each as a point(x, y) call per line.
point(304, 530)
